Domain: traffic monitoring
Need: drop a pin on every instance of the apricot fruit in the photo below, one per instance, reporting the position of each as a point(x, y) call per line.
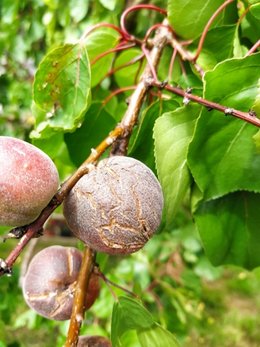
point(49, 283)
point(117, 207)
point(28, 181)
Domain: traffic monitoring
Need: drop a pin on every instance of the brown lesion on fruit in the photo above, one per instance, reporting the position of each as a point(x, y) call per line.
point(127, 238)
point(39, 297)
point(80, 195)
point(116, 195)
point(70, 261)
point(61, 300)
point(112, 173)
point(146, 232)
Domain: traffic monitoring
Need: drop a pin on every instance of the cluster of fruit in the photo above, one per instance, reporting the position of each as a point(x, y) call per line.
point(115, 209)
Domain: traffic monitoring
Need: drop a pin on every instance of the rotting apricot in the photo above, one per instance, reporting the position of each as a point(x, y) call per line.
point(117, 207)
point(49, 283)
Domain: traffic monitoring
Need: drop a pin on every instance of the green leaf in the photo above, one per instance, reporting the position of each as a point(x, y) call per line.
point(239, 50)
point(78, 9)
point(51, 146)
point(222, 155)
point(96, 126)
point(229, 229)
point(142, 145)
point(256, 105)
point(189, 17)
point(253, 1)
point(61, 90)
point(9, 11)
point(157, 336)
point(127, 76)
point(98, 42)
point(172, 135)
point(255, 10)
point(250, 27)
point(218, 46)
point(109, 4)
point(128, 314)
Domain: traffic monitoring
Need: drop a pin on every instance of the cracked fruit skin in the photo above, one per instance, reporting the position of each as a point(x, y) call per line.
point(117, 207)
point(49, 284)
point(28, 181)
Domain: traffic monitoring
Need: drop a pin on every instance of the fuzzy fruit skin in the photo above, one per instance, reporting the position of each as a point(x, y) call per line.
point(28, 181)
point(93, 341)
point(117, 207)
point(49, 283)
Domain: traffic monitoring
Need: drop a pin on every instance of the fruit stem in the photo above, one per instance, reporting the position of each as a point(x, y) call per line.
point(78, 308)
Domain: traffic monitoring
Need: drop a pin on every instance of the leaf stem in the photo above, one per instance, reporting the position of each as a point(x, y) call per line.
point(128, 36)
point(206, 29)
point(116, 92)
point(109, 282)
point(101, 25)
point(118, 48)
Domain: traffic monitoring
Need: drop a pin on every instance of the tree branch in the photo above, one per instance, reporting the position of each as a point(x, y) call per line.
point(161, 39)
point(249, 117)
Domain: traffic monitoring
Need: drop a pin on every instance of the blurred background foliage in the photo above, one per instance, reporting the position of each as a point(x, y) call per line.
point(203, 305)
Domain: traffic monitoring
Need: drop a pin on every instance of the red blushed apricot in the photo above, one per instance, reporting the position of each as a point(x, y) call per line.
point(28, 181)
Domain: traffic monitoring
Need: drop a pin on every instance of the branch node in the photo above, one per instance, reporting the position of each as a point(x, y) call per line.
point(252, 113)
point(16, 233)
point(163, 84)
point(186, 99)
point(94, 152)
point(148, 81)
point(229, 111)
point(4, 268)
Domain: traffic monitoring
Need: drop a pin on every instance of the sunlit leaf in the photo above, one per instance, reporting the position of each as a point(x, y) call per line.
point(157, 336)
point(109, 4)
point(78, 9)
point(222, 154)
point(172, 134)
point(189, 17)
point(61, 89)
point(142, 145)
point(128, 314)
point(255, 10)
point(97, 43)
point(218, 46)
point(127, 76)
